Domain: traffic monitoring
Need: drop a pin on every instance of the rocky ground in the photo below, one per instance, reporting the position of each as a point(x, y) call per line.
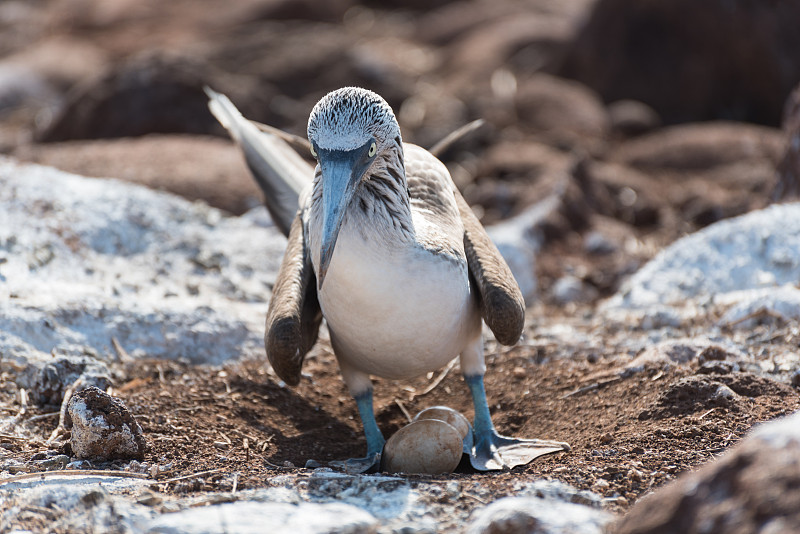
point(662, 326)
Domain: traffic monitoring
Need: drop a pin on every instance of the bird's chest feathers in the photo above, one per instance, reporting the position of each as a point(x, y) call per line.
point(394, 309)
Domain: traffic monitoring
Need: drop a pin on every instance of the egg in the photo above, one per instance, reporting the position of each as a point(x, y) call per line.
point(448, 415)
point(426, 446)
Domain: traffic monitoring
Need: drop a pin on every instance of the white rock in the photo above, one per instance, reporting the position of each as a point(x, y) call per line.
point(782, 302)
point(557, 490)
point(531, 515)
point(77, 503)
point(779, 434)
point(84, 260)
point(259, 517)
point(753, 251)
point(388, 498)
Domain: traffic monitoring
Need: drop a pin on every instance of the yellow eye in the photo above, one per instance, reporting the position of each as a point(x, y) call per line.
point(313, 151)
point(373, 149)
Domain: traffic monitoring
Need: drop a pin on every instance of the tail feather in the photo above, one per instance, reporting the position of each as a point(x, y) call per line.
point(279, 171)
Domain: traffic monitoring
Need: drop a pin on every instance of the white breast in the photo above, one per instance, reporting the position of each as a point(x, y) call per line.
point(396, 312)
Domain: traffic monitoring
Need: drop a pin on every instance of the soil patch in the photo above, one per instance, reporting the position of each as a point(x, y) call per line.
point(630, 432)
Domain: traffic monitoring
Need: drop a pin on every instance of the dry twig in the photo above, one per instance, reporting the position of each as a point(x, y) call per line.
point(452, 138)
point(591, 387)
point(62, 414)
point(403, 409)
point(270, 464)
point(122, 354)
point(192, 475)
point(23, 408)
point(15, 438)
point(42, 416)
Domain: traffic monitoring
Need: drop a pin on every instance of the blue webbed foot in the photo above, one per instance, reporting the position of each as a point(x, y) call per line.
point(491, 451)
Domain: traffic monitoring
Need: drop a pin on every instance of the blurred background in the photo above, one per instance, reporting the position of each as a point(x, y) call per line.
point(642, 120)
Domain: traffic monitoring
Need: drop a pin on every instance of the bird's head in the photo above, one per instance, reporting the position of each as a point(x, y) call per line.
point(348, 129)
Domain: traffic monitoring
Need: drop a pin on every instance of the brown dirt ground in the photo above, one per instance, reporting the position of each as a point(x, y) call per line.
point(629, 435)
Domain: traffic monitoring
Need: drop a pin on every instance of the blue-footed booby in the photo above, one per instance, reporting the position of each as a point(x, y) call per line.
point(385, 248)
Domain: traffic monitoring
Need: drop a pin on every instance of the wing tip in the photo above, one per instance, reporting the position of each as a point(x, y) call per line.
point(282, 343)
point(504, 314)
point(223, 110)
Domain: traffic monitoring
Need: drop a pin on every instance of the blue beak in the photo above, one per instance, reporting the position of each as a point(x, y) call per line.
point(342, 170)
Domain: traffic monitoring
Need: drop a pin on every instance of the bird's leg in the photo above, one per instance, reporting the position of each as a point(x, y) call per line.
point(360, 387)
point(373, 434)
point(372, 461)
point(485, 436)
point(492, 451)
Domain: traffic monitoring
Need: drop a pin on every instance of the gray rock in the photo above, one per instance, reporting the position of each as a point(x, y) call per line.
point(595, 242)
point(677, 352)
point(47, 380)
point(754, 487)
point(569, 289)
point(275, 518)
point(531, 515)
point(103, 427)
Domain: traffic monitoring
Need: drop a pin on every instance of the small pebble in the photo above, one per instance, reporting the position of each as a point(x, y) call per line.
point(635, 475)
point(597, 243)
point(453, 489)
point(16, 469)
point(53, 463)
point(149, 498)
point(619, 500)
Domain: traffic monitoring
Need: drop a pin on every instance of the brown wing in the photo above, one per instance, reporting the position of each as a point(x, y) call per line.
point(500, 300)
point(294, 315)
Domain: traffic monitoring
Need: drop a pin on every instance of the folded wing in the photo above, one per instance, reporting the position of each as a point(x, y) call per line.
point(294, 314)
point(500, 300)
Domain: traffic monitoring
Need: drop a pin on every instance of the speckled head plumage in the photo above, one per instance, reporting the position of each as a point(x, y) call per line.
point(347, 118)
